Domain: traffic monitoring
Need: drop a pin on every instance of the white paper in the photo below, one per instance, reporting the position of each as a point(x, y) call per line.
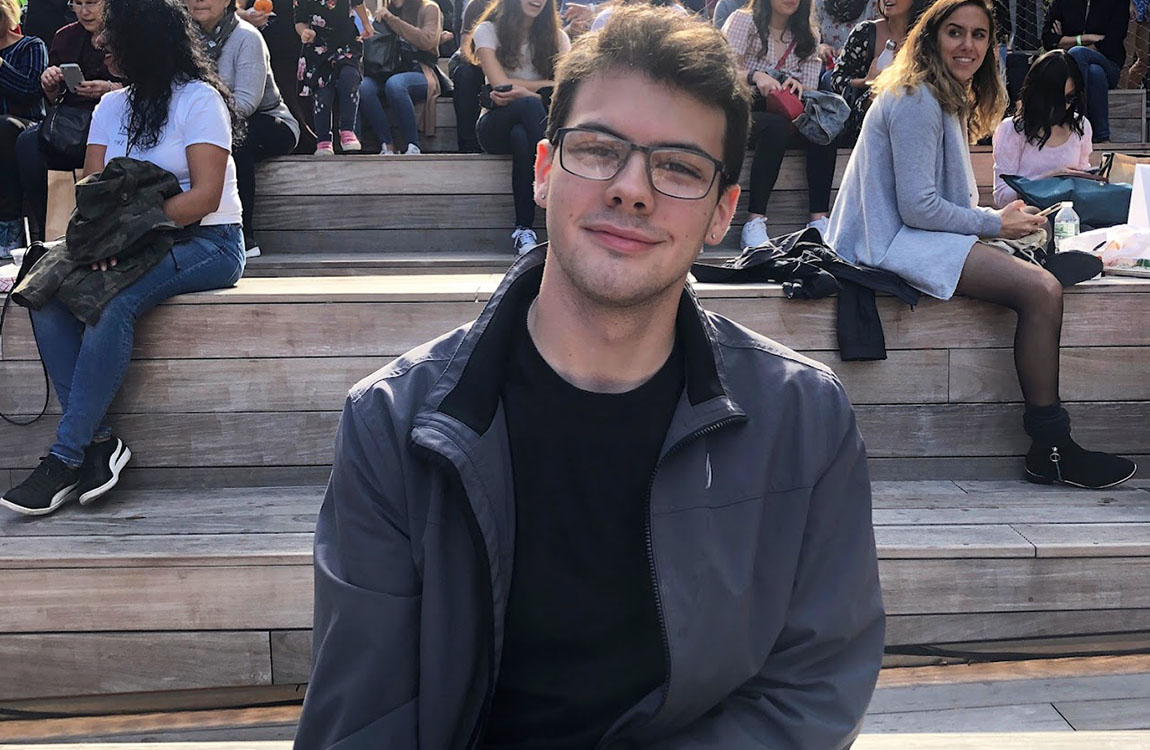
point(1139, 216)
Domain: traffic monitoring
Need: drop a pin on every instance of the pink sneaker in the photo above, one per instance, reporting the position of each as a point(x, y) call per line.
point(324, 148)
point(349, 142)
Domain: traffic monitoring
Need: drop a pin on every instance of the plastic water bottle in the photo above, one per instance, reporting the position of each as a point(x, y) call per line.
point(886, 57)
point(1065, 224)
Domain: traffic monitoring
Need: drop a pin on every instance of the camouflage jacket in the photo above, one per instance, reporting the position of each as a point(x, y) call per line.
point(119, 213)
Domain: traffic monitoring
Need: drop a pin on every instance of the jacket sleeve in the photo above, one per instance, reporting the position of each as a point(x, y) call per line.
point(855, 60)
point(1117, 24)
point(815, 686)
point(1053, 13)
point(364, 681)
point(250, 73)
point(915, 124)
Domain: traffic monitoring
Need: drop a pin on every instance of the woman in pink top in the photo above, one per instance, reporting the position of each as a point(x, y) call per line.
point(1049, 133)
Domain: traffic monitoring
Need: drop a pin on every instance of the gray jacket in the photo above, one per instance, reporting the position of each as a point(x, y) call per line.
point(760, 538)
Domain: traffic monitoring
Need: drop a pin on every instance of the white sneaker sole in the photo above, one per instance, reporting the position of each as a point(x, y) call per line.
point(252, 252)
point(116, 463)
point(58, 499)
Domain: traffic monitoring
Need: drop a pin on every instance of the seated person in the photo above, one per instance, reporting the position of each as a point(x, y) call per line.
point(518, 43)
point(178, 119)
point(837, 18)
point(776, 48)
point(1094, 31)
point(23, 60)
point(601, 516)
point(908, 204)
point(869, 50)
point(467, 78)
point(241, 56)
point(75, 43)
point(1048, 134)
point(418, 23)
point(605, 14)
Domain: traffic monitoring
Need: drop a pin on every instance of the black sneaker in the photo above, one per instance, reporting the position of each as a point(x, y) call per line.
point(51, 485)
point(101, 470)
point(1069, 463)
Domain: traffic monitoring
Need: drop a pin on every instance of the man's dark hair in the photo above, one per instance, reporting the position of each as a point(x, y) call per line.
point(669, 48)
point(1042, 101)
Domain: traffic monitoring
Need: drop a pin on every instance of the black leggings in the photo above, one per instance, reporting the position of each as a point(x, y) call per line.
point(468, 80)
point(772, 135)
point(266, 137)
point(346, 83)
point(11, 196)
point(516, 129)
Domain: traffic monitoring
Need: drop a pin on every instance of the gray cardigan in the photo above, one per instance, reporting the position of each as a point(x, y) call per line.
point(245, 66)
point(908, 202)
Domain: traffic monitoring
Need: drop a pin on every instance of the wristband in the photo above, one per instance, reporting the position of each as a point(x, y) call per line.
point(1079, 40)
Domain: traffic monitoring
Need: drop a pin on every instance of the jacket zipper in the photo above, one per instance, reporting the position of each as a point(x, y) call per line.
point(651, 553)
point(477, 539)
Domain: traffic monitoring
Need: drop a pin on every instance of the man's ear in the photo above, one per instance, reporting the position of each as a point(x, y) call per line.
point(722, 215)
point(543, 164)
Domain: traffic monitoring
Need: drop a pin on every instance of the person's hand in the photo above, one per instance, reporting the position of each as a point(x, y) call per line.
point(306, 33)
point(826, 53)
point(1017, 221)
point(1056, 27)
point(104, 265)
point(503, 98)
point(382, 13)
point(51, 79)
point(765, 83)
point(256, 18)
point(578, 14)
point(445, 37)
point(95, 89)
point(1089, 39)
point(792, 85)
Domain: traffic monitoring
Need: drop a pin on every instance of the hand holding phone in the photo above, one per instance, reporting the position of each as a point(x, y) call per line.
point(502, 88)
point(73, 76)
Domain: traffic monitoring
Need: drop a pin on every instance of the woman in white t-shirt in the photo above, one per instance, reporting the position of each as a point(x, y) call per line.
point(175, 113)
point(518, 43)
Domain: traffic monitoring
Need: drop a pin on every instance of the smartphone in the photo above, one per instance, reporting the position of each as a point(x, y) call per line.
point(1049, 210)
point(73, 76)
point(503, 89)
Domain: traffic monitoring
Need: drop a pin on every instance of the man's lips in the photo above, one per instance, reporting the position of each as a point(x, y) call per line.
point(621, 238)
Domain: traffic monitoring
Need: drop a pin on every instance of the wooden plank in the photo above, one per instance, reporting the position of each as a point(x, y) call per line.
point(86, 727)
point(49, 664)
point(1123, 713)
point(949, 542)
point(1035, 669)
point(1088, 540)
point(215, 477)
point(135, 599)
point(235, 510)
point(251, 736)
point(291, 656)
point(1035, 585)
point(966, 468)
point(415, 241)
point(1085, 374)
point(246, 696)
point(986, 626)
point(172, 440)
point(1011, 740)
point(1061, 507)
point(1029, 718)
point(144, 551)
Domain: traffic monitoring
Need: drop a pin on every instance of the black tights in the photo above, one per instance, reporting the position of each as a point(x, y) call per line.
point(1032, 292)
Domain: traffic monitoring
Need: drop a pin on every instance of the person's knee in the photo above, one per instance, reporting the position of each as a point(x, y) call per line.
point(773, 128)
point(368, 88)
point(1044, 295)
point(395, 90)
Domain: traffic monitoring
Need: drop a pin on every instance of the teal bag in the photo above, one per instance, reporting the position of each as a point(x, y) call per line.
point(1098, 204)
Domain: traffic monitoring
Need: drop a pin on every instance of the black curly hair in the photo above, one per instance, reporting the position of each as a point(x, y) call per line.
point(155, 46)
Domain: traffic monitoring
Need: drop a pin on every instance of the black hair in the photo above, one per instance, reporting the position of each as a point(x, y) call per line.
point(1042, 103)
point(799, 24)
point(156, 47)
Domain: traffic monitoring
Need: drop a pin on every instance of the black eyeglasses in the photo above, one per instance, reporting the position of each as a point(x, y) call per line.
point(675, 172)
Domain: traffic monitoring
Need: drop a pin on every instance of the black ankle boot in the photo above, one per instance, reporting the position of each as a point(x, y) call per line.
point(1055, 457)
point(1067, 462)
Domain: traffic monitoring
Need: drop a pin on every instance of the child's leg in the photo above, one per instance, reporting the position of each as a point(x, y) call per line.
point(348, 81)
point(322, 99)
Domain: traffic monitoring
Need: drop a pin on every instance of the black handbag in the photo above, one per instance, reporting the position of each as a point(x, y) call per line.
point(33, 254)
point(64, 136)
point(381, 54)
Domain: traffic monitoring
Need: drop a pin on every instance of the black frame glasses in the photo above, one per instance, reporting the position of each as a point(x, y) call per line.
point(647, 151)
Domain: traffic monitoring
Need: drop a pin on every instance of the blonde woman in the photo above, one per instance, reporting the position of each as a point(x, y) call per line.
point(908, 204)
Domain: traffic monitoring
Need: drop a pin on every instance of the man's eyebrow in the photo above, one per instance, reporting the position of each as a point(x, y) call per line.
point(603, 128)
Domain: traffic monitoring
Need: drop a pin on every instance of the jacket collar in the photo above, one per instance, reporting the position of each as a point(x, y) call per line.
point(469, 388)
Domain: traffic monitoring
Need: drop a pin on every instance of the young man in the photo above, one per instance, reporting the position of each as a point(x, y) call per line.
point(599, 516)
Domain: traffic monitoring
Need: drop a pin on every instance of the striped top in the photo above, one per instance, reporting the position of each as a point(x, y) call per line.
point(21, 65)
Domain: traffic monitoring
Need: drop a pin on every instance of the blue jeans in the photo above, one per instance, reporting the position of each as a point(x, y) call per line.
point(87, 363)
point(516, 129)
point(1100, 74)
point(402, 90)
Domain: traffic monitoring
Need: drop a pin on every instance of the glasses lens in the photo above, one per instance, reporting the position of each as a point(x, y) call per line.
point(596, 156)
point(680, 173)
point(88, 5)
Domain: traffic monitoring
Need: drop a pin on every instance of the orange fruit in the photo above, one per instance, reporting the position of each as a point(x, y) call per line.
point(263, 6)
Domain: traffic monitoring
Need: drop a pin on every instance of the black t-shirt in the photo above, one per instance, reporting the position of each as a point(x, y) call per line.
point(582, 637)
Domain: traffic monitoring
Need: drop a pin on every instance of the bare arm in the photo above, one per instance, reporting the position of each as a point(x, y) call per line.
point(207, 165)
